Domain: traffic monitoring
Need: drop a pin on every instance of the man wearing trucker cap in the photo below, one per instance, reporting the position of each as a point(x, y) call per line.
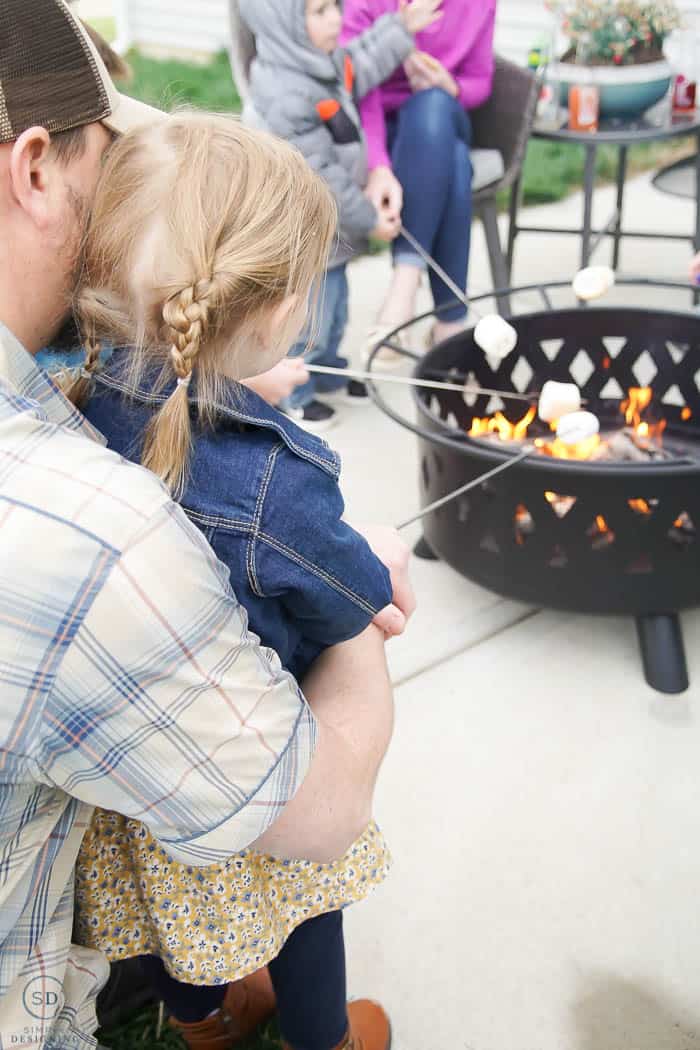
point(127, 676)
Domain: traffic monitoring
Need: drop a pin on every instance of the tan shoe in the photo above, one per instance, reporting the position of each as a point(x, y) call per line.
point(369, 1028)
point(247, 1004)
point(386, 359)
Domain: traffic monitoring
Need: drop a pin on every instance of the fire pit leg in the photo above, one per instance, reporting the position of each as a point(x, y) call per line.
point(423, 550)
point(663, 652)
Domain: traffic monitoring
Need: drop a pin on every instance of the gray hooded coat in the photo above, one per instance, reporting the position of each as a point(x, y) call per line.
point(309, 98)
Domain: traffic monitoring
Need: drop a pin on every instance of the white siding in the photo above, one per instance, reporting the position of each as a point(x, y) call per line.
point(201, 26)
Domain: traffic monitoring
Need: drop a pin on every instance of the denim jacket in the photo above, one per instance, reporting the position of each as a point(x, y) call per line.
point(265, 494)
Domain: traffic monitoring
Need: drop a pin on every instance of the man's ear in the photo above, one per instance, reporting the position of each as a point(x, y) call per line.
point(30, 173)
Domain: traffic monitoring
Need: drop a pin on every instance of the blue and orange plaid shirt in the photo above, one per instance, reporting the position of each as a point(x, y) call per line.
point(129, 681)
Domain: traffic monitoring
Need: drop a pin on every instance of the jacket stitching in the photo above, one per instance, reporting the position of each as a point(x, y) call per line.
point(262, 493)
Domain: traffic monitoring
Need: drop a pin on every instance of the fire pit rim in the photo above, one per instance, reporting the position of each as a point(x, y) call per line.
point(492, 455)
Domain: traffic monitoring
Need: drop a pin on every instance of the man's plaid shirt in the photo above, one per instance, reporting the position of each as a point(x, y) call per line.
point(128, 681)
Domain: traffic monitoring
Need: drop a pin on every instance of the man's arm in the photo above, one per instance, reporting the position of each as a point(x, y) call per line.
point(166, 709)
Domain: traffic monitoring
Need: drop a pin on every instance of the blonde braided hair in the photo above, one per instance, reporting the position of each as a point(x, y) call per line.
point(199, 229)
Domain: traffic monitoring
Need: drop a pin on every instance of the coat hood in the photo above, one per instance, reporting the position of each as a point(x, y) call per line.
point(281, 38)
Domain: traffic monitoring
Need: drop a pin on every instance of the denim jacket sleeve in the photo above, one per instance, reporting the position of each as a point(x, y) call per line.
point(303, 553)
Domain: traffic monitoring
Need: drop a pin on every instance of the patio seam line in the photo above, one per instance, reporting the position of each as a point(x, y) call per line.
point(528, 615)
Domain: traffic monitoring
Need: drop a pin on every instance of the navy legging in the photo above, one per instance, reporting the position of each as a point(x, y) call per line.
point(309, 980)
point(428, 138)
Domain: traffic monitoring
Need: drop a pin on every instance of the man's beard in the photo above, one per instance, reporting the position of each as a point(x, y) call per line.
point(71, 255)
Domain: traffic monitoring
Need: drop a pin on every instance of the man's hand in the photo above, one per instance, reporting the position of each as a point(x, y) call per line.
point(385, 191)
point(419, 14)
point(395, 554)
point(277, 384)
point(425, 72)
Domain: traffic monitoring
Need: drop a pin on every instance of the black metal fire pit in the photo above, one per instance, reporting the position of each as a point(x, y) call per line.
point(594, 537)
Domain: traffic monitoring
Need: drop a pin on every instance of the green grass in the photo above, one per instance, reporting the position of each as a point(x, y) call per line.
point(141, 1030)
point(170, 83)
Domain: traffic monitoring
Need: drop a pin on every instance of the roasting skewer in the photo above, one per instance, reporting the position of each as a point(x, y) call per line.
point(571, 429)
point(430, 384)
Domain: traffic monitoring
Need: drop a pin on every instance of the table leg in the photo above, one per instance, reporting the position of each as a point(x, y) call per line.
point(621, 177)
point(588, 187)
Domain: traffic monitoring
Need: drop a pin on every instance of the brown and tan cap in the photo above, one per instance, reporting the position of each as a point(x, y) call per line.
point(51, 74)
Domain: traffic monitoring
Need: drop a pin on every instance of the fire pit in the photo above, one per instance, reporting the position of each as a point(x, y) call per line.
point(612, 532)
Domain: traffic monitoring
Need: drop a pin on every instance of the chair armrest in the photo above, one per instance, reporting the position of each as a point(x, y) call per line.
point(505, 121)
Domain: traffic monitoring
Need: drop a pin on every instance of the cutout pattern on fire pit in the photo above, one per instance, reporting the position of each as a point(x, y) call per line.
point(608, 537)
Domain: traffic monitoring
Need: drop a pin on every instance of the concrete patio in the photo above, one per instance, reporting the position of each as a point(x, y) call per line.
point(541, 800)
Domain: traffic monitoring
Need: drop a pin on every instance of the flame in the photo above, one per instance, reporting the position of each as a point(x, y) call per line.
point(686, 413)
point(581, 450)
point(602, 524)
point(679, 523)
point(639, 398)
point(523, 523)
point(640, 506)
point(498, 424)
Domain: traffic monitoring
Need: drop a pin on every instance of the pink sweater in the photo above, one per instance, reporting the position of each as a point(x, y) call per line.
point(462, 40)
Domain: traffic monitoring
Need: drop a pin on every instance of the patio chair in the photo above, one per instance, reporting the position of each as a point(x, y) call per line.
point(502, 126)
point(501, 131)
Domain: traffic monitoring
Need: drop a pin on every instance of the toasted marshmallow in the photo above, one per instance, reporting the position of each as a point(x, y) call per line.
point(593, 282)
point(558, 399)
point(577, 427)
point(495, 336)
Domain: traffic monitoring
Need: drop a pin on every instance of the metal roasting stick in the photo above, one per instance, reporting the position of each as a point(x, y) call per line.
point(431, 384)
point(466, 488)
point(428, 259)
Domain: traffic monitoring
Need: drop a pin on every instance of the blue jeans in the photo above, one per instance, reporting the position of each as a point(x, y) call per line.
point(429, 139)
point(331, 321)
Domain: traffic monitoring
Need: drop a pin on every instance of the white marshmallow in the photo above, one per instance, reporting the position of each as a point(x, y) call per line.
point(558, 399)
point(495, 336)
point(593, 282)
point(577, 427)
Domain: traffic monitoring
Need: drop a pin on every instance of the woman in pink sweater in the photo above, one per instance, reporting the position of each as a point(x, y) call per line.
point(418, 132)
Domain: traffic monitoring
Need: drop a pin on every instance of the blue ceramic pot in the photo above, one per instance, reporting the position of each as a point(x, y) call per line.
point(625, 91)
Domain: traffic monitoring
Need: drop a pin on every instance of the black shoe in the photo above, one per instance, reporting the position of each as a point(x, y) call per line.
point(316, 416)
point(356, 390)
point(353, 393)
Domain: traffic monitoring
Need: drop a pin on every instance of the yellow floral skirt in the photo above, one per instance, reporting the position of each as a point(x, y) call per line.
point(209, 925)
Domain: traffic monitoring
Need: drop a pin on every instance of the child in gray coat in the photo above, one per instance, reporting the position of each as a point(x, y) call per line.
point(305, 88)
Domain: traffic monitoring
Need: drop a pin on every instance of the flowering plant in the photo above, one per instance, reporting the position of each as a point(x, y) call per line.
point(616, 32)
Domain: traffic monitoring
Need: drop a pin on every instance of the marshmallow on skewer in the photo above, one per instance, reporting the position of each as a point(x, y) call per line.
point(558, 399)
point(495, 336)
point(577, 427)
point(593, 282)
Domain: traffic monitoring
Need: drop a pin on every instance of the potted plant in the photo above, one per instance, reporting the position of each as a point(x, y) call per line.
point(620, 42)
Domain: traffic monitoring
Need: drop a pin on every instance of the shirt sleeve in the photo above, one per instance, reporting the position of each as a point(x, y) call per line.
point(357, 215)
point(358, 17)
point(165, 707)
point(474, 75)
point(321, 570)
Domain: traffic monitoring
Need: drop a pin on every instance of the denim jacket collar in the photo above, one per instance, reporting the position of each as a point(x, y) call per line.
point(239, 404)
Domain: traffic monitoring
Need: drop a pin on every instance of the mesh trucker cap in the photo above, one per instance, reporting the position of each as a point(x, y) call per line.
point(51, 74)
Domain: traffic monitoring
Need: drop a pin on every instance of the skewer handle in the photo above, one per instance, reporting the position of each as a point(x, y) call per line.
point(465, 488)
point(430, 384)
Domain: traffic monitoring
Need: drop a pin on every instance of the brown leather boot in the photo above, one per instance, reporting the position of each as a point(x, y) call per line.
point(247, 1004)
point(369, 1028)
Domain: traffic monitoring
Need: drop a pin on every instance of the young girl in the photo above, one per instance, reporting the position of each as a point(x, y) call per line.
point(204, 243)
